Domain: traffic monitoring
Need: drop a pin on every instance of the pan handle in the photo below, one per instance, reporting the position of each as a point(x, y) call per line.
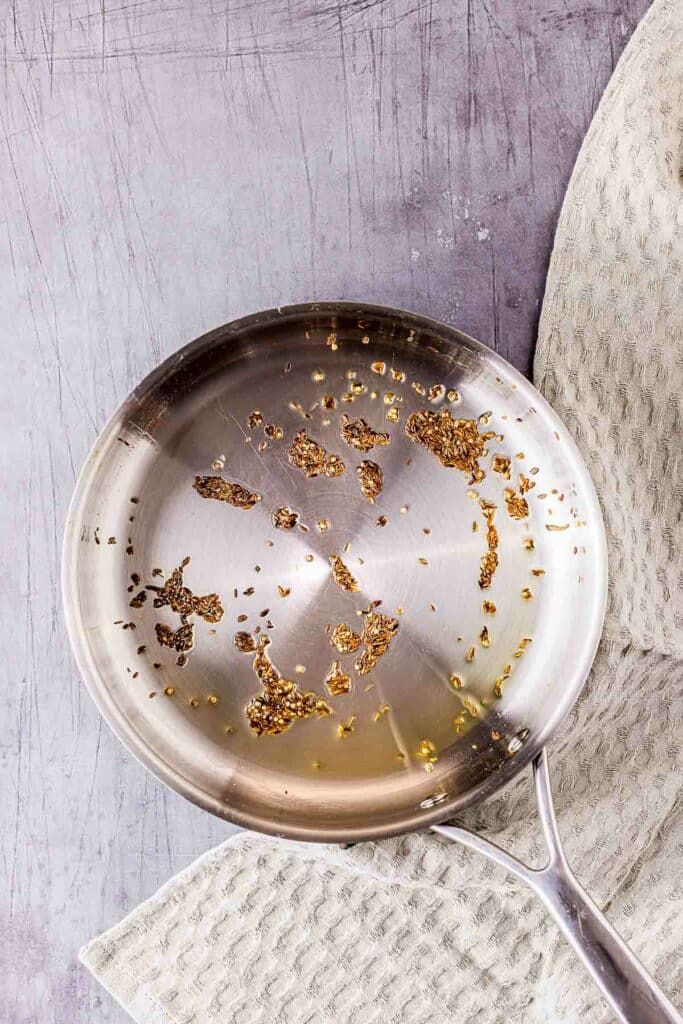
point(633, 995)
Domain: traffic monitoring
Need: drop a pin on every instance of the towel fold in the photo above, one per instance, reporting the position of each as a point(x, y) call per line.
point(415, 929)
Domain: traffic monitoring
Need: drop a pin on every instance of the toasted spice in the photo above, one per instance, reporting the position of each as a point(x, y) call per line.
point(470, 654)
point(528, 544)
point(254, 419)
point(337, 681)
point(381, 711)
point(342, 576)
point(484, 637)
point(498, 684)
point(208, 607)
point(273, 431)
point(344, 639)
point(379, 367)
point(377, 633)
point(283, 591)
point(138, 600)
point(470, 707)
point(298, 407)
point(181, 639)
point(285, 518)
point(455, 443)
point(455, 681)
point(538, 572)
point(181, 600)
point(398, 375)
point(244, 642)
point(521, 646)
point(515, 505)
point(501, 464)
point(222, 490)
point(371, 479)
point(312, 459)
point(328, 402)
point(525, 484)
point(488, 607)
point(359, 435)
point(526, 594)
point(393, 415)
point(489, 560)
point(282, 702)
point(426, 750)
point(345, 729)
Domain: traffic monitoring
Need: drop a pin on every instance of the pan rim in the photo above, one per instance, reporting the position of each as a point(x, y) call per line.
point(169, 775)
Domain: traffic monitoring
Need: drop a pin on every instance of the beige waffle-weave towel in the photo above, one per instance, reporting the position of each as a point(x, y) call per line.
point(417, 930)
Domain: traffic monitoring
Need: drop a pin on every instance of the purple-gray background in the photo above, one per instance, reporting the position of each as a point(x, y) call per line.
point(165, 167)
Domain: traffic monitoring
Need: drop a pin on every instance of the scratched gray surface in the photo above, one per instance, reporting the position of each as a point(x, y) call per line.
point(165, 167)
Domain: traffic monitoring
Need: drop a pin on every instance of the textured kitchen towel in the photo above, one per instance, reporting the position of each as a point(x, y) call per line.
point(416, 929)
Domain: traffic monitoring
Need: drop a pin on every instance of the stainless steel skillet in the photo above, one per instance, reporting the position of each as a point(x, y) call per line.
point(462, 699)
